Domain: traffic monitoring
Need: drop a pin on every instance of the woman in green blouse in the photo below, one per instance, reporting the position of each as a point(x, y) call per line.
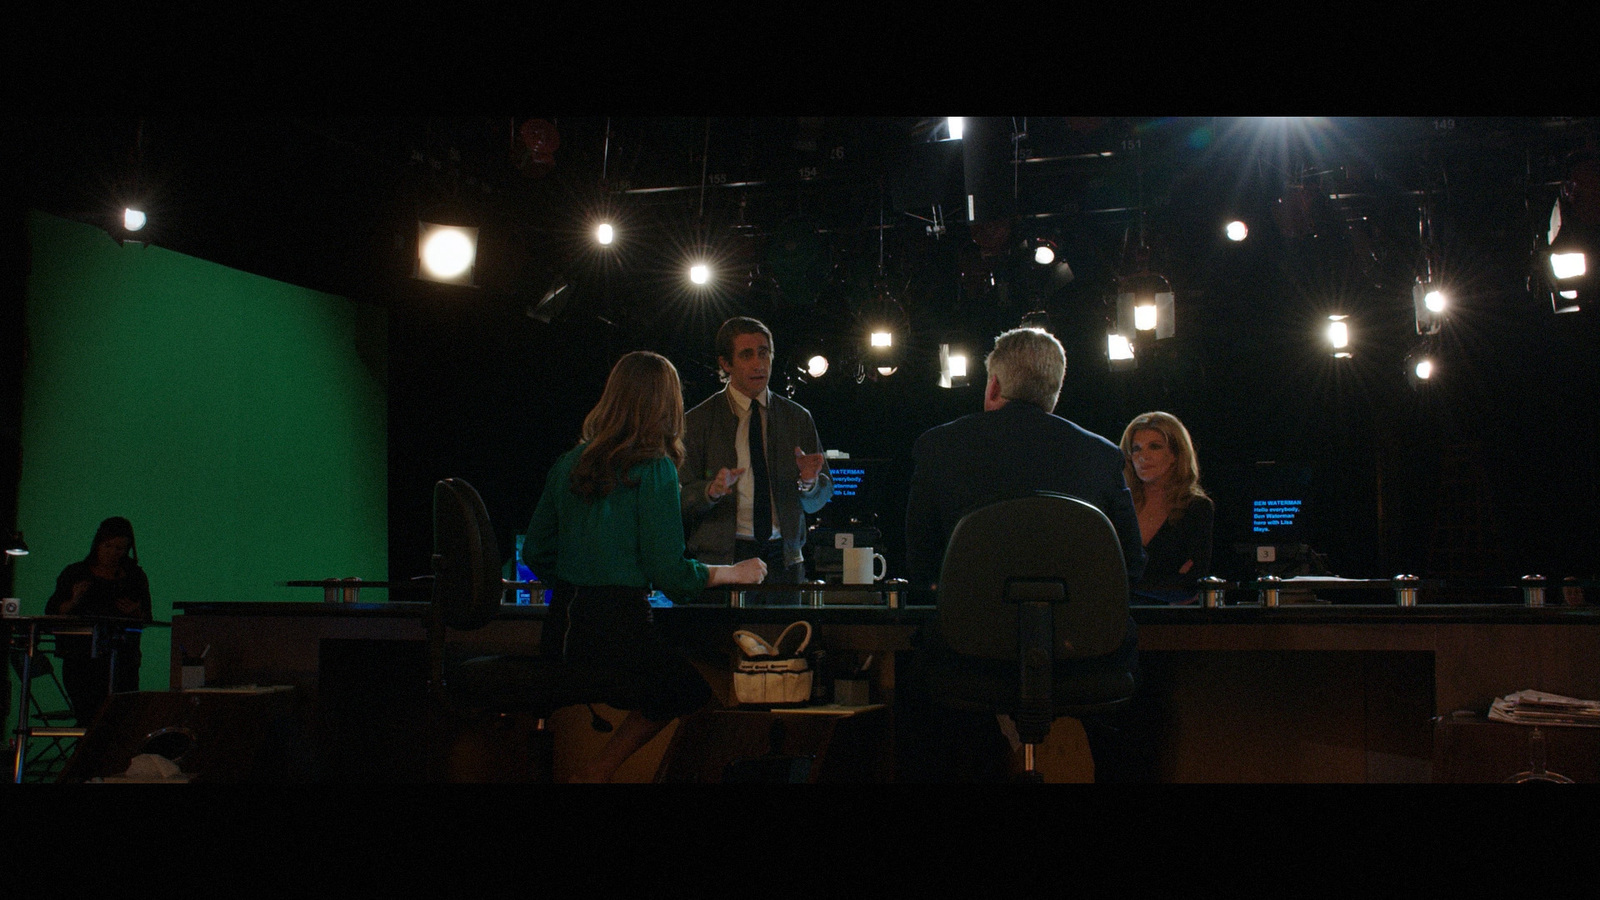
point(607, 529)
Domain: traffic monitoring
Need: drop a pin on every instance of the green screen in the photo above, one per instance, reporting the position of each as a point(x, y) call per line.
point(237, 421)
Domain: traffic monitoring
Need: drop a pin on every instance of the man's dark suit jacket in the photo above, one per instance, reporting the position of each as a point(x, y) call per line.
point(1012, 450)
point(708, 445)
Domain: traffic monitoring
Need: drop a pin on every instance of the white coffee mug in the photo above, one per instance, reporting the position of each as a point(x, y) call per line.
point(860, 565)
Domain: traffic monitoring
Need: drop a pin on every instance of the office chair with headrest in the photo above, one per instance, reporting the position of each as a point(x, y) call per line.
point(1033, 611)
point(467, 589)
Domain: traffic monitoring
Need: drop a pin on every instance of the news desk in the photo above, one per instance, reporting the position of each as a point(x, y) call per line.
point(1297, 693)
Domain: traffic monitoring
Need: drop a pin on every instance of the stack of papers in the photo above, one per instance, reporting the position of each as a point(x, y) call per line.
point(1539, 708)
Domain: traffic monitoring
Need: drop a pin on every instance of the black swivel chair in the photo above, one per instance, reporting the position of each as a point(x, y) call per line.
point(1032, 613)
point(467, 589)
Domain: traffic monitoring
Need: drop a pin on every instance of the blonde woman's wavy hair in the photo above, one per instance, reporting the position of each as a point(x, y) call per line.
point(639, 418)
point(1185, 466)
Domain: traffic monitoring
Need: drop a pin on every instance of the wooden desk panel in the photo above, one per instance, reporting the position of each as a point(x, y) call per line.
point(1474, 662)
point(1288, 694)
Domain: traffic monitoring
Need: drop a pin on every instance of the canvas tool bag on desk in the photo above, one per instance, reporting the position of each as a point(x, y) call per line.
point(776, 674)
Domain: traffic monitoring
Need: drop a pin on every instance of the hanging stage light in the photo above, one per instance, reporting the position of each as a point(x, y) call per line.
point(1428, 297)
point(133, 196)
point(1145, 304)
point(700, 273)
point(1144, 317)
point(1119, 353)
point(884, 329)
point(1571, 238)
point(1422, 366)
point(1431, 304)
point(1567, 268)
point(446, 254)
point(604, 234)
point(1339, 336)
point(1236, 231)
point(953, 366)
point(810, 358)
point(129, 225)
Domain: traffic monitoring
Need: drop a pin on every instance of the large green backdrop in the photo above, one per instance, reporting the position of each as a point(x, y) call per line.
point(238, 422)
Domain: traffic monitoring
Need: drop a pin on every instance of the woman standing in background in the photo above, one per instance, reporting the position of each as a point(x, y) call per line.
point(107, 582)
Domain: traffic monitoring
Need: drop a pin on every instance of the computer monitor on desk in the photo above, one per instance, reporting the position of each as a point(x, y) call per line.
point(850, 518)
point(1280, 494)
point(516, 571)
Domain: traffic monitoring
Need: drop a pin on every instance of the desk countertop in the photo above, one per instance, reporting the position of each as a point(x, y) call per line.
point(1300, 614)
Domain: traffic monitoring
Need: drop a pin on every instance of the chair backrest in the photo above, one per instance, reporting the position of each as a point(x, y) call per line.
point(1040, 547)
point(467, 586)
point(40, 671)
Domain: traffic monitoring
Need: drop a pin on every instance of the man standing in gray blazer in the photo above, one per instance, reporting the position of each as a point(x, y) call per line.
point(738, 504)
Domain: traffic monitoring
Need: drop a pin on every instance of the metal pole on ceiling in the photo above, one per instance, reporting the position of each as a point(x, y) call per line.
point(705, 154)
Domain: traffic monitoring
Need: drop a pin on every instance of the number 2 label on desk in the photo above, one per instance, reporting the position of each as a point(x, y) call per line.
point(844, 540)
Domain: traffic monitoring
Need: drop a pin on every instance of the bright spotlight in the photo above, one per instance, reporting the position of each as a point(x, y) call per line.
point(700, 273)
point(446, 253)
point(1431, 303)
point(952, 367)
point(1420, 367)
point(1144, 317)
point(605, 234)
point(817, 366)
point(886, 371)
point(1118, 347)
point(1145, 303)
point(1339, 336)
point(1236, 231)
point(1045, 253)
point(956, 127)
point(1567, 265)
point(882, 339)
point(133, 219)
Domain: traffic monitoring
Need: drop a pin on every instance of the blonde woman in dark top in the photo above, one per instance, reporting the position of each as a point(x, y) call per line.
point(1175, 513)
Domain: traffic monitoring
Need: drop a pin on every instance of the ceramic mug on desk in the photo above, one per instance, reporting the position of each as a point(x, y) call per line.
point(861, 565)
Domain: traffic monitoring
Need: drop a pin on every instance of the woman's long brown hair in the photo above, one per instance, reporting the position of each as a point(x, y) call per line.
point(639, 418)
